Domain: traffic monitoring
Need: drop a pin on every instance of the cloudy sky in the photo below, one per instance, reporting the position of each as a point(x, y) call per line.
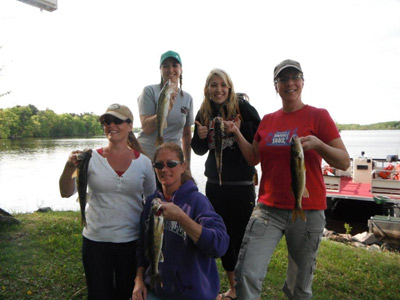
point(90, 53)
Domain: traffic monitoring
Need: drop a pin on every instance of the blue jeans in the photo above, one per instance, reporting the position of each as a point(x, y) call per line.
point(265, 229)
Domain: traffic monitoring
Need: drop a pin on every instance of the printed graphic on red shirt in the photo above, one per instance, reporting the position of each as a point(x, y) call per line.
point(280, 138)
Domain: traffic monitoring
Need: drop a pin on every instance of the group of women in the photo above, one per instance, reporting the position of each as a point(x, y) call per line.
point(127, 175)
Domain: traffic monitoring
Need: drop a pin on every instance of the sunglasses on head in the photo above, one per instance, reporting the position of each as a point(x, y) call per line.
point(109, 120)
point(170, 164)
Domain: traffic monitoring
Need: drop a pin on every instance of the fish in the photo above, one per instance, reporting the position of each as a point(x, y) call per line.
point(82, 180)
point(156, 235)
point(218, 131)
point(298, 174)
point(162, 110)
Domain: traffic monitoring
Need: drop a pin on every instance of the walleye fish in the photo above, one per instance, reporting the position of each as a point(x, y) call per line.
point(156, 235)
point(82, 179)
point(218, 131)
point(162, 110)
point(298, 171)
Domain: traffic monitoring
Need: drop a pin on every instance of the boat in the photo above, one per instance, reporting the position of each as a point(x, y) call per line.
point(385, 228)
point(367, 179)
point(374, 180)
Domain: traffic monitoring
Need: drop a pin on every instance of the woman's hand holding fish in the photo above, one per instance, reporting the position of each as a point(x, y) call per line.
point(172, 101)
point(232, 127)
point(175, 213)
point(334, 152)
point(310, 142)
point(171, 211)
point(202, 131)
point(72, 159)
point(66, 182)
point(237, 121)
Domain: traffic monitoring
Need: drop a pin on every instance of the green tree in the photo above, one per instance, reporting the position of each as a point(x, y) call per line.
point(4, 128)
point(66, 125)
point(48, 123)
point(79, 125)
point(92, 125)
point(9, 124)
point(25, 124)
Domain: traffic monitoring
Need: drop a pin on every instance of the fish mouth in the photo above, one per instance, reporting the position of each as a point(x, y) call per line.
point(173, 78)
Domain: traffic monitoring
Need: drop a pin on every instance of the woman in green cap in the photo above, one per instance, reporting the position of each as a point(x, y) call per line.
point(180, 109)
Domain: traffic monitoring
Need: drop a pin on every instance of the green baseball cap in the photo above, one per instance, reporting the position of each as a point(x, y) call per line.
point(169, 54)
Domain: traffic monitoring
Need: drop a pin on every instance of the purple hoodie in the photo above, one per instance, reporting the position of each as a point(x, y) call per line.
point(189, 270)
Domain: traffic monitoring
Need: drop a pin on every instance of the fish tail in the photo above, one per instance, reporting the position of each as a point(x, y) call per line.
point(159, 141)
point(155, 280)
point(298, 212)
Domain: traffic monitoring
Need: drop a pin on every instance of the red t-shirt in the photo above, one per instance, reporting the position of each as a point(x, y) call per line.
point(273, 135)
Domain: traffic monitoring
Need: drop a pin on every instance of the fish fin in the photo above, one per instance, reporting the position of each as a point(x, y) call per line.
point(302, 215)
point(305, 193)
point(159, 141)
point(161, 257)
point(295, 213)
point(165, 124)
point(75, 174)
point(298, 212)
point(291, 191)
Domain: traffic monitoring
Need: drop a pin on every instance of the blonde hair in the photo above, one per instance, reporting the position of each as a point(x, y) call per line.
point(231, 103)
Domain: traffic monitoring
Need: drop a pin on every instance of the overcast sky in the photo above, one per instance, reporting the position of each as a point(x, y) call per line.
point(90, 53)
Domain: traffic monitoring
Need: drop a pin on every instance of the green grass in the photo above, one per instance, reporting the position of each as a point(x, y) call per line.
point(41, 259)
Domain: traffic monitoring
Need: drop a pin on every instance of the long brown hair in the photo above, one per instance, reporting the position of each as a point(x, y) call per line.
point(231, 103)
point(186, 176)
point(133, 143)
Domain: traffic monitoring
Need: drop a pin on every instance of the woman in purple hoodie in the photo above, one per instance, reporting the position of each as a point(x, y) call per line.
point(194, 235)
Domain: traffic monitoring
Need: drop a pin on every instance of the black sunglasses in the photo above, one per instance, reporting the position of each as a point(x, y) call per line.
point(170, 164)
point(110, 120)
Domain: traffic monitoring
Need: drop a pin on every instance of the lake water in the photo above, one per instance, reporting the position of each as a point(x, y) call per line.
point(30, 168)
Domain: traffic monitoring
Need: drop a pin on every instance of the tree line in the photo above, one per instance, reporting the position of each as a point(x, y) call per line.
point(28, 121)
point(393, 125)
